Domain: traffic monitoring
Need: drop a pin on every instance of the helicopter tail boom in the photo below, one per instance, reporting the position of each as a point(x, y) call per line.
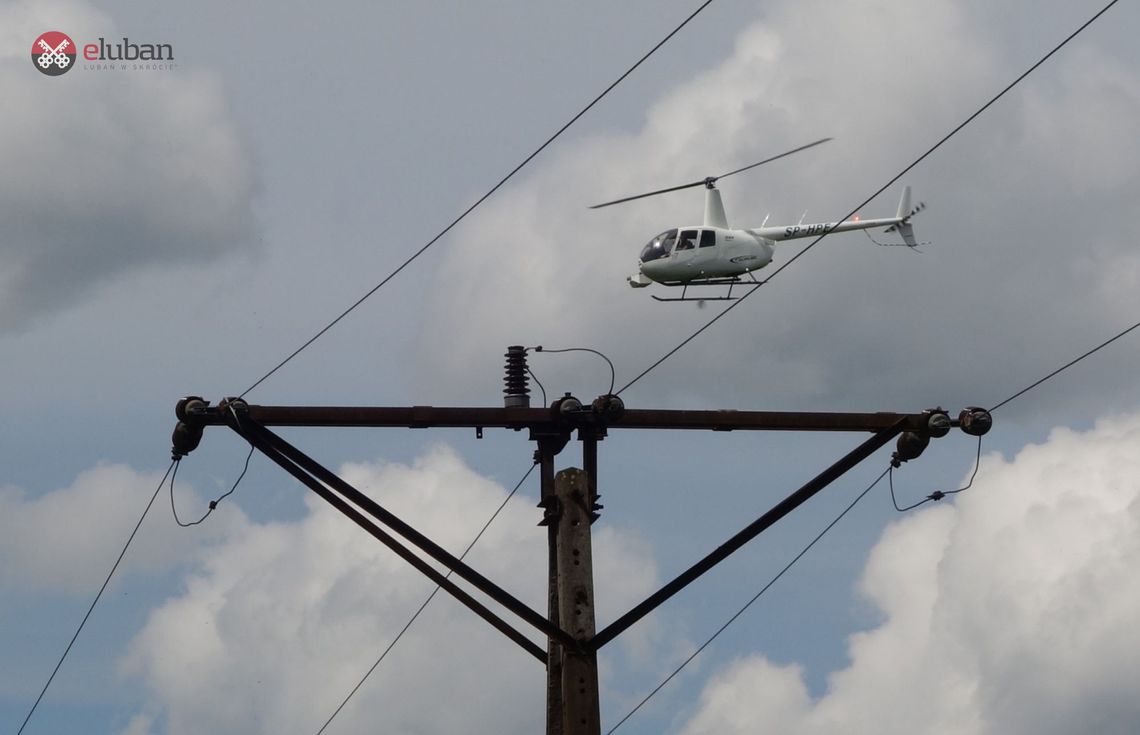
point(792, 232)
point(900, 222)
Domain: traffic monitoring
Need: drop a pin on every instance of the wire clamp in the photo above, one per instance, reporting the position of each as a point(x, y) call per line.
point(187, 432)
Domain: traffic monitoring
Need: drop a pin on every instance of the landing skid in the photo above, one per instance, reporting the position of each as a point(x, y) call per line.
point(730, 282)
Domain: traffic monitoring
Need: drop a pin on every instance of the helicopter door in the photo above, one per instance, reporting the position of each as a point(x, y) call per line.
point(687, 240)
point(705, 252)
point(686, 250)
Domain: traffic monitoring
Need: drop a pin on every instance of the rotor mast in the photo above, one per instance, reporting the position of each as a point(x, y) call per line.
point(714, 208)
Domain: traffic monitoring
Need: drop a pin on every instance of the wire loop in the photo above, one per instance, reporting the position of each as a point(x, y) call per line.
point(937, 494)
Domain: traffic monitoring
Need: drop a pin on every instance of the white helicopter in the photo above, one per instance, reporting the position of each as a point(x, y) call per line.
point(712, 254)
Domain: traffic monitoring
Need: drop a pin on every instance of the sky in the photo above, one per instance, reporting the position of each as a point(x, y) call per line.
point(177, 231)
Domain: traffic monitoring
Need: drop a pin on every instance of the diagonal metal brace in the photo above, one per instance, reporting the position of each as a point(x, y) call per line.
point(751, 531)
point(319, 479)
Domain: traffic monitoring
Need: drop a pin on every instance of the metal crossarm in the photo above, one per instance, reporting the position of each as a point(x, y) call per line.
point(547, 420)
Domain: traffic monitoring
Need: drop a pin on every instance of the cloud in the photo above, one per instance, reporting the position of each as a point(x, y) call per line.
point(1011, 611)
point(850, 325)
point(88, 522)
point(110, 172)
point(282, 619)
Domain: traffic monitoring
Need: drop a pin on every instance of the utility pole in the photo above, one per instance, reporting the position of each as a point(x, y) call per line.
point(568, 499)
point(579, 664)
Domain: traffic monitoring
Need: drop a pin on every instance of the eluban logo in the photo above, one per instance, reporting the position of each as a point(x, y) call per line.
point(53, 53)
point(127, 51)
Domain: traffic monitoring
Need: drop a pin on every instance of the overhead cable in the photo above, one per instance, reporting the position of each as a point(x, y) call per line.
point(483, 198)
point(1065, 367)
point(430, 597)
point(748, 604)
point(98, 595)
point(939, 494)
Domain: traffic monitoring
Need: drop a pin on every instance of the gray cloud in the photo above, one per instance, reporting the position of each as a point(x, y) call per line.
point(1030, 217)
point(108, 173)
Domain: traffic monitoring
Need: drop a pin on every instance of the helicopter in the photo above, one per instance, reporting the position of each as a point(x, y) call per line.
point(712, 254)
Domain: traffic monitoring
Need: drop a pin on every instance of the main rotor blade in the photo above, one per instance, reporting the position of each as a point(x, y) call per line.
point(650, 194)
point(773, 158)
point(711, 179)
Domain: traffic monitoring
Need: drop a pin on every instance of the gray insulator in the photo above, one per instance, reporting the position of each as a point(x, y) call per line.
point(517, 392)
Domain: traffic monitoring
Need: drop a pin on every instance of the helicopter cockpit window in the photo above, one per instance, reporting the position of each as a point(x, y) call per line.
point(659, 246)
point(708, 238)
point(688, 240)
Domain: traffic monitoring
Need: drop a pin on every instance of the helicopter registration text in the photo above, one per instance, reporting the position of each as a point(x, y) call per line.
point(807, 230)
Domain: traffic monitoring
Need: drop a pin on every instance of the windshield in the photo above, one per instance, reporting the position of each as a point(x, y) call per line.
point(659, 246)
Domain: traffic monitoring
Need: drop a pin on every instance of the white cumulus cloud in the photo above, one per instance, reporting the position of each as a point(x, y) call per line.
point(1011, 611)
point(282, 619)
point(65, 540)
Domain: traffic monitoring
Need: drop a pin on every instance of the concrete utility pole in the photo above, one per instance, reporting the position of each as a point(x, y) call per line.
point(579, 670)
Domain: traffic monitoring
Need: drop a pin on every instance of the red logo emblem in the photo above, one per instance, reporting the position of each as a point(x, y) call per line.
point(53, 53)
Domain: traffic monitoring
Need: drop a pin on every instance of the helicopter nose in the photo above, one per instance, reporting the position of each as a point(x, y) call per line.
point(649, 269)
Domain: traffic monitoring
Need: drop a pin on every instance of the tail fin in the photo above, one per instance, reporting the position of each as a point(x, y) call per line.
point(904, 204)
point(904, 214)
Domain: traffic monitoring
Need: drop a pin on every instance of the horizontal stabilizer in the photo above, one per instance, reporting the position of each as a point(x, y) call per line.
point(907, 233)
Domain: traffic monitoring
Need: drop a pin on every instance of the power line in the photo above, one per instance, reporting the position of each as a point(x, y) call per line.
point(1064, 367)
point(940, 494)
point(97, 596)
point(881, 189)
point(430, 597)
point(483, 198)
point(748, 604)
